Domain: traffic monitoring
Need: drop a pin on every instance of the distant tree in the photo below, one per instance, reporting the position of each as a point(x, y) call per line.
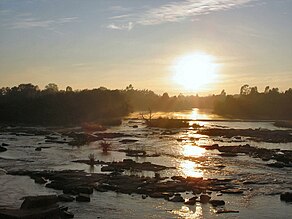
point(102, 88)
point(267, 89)
point(223, 93)
point(289, 91)
point(253, 90)
point(27, 90)
point(181, 96)
point(165, 96)
point(129, 87)
point(51, 88)
point(244, 90)
point(274, 90)
point(4, 90)
point(69, 89)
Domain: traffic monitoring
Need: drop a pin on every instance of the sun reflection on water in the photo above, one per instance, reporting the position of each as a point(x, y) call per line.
point(192, 151)
point(186, 212)
point(189, 168)
point(197, 114)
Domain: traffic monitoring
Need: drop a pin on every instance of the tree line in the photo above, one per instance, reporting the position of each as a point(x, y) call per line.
point(28, 104)
point(252, 104)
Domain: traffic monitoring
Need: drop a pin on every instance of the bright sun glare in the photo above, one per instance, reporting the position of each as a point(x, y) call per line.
point(195, 70)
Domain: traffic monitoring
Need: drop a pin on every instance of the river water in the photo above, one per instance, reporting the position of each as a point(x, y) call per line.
point(259, 200)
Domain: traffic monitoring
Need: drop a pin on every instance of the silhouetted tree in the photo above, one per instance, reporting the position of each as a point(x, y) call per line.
point(69, 89)
point(267, 89)
point(51, 88)
point(245, 90)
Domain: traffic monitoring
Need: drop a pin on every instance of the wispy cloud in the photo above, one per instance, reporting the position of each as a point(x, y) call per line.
point(28, 22)
point(174, 12)
point(127, 26)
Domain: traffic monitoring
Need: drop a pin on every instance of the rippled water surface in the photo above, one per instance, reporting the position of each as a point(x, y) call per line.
point(179, 148)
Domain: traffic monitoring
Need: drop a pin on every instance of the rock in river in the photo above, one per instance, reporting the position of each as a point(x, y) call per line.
point(204, 198)
point(191, 201)
point(38, 201)
point(177, 198)
point(65, 198)
point(216, 203)
point(2, 149)
point(83, 198)
point(287, 197)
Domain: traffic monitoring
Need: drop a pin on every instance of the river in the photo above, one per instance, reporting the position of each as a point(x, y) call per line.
point(259, 200)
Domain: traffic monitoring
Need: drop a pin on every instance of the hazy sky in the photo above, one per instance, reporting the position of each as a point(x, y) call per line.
point(93, 43)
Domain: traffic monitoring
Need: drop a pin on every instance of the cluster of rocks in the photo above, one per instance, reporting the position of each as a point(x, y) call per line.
point(283, 158)
point(75, 182)
point(137, 153)
point(41, 207)
point(78, 185)
point(259, 135)
point(126, 164)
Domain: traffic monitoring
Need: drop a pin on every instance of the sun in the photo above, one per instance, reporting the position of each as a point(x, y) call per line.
point(195, 70)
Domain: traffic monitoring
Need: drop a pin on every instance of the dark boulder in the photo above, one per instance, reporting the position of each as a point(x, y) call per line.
point(276, 164)
point(67, 214)
point(38, 201)
point(216, 203)
point(38, 149)
point(84, 189)
point(40, 180)
point(287, 197)
point(83, 198)
point(191, 201)
point(177, 198)
point(65, 198)
point(2, 149)
point(204, 198)
point(52, 211)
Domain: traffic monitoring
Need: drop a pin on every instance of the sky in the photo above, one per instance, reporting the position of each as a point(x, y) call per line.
point(114, 43)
